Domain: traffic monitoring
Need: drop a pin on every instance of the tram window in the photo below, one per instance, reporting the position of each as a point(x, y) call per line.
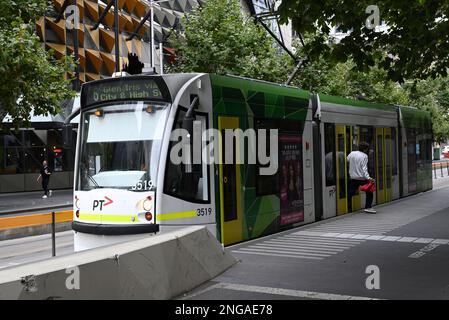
point(367, 135)
point(329, 149)
point(412, 153)
point(229, 181)
point(355, 138)
point(388, 147)
point(189, 182)
point(341, 165)
point(380, 180)
point(266, 184)
point(395, 151)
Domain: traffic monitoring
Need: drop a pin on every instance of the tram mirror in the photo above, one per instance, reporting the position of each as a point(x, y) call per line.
point(190, 117)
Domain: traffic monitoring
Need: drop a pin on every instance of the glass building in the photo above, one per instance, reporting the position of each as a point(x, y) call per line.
point(23, 151)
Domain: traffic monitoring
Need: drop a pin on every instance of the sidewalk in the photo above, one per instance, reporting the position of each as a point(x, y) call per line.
point(11, 203)
point(407, 242)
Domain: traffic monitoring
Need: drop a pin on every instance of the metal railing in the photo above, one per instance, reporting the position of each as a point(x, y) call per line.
point(440, 169)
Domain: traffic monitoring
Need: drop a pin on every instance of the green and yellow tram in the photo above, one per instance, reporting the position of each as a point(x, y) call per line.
point(245, 158)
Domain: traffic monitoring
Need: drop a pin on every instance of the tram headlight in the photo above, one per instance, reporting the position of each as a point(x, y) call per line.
point(147, 204)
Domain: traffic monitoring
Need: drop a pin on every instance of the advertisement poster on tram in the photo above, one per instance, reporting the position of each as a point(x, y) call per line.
point(291, 179)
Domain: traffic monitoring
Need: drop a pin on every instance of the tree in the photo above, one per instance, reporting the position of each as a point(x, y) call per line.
point(218, 38)
point(414, 46)
point(343, 79)
point(31, 79)
point(431, 95)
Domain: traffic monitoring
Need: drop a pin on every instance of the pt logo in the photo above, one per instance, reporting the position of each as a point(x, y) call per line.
point(102, 203)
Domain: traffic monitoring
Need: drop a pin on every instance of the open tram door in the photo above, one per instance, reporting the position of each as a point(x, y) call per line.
point(229, 177)
point(384, 165)
point(347, 140)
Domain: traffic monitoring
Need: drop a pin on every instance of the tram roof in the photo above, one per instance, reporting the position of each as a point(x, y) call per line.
point(260, 85)
point(355, 103)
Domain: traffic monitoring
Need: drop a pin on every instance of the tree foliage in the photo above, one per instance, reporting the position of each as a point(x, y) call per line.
point(414, 46)
point(219, 38)
point(31, 79)
point(344, 79)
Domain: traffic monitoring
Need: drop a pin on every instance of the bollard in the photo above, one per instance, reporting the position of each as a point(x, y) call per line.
point(435, 171)
point(53, 234)
point(447, 168)
point(441, 169)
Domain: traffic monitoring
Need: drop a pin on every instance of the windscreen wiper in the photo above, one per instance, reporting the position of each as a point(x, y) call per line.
point(93, 180)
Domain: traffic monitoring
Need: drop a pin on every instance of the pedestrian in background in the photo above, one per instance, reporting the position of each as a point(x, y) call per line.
point(45, 176)
point(358, 173)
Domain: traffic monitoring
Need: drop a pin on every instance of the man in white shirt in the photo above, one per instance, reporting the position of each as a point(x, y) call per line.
point(358, 173)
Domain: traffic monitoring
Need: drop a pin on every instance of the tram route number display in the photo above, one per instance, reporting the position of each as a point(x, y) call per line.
point(122, 90)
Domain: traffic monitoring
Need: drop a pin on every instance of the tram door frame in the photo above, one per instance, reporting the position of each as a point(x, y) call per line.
point(341, 183)
point(231, 230)
point(356, 198)
point(384, 157)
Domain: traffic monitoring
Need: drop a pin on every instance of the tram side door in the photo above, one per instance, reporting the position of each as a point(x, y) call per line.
point(341, 182)
point(229, 177)
point(384, 165)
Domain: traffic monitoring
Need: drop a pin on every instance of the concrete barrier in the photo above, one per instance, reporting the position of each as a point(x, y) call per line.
point(157, 267)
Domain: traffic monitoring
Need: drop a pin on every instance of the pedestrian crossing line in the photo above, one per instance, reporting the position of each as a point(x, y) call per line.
point(359, 230)
point(351, 228)
point(358, 225)
point(300, 246)
point(380, 237)
point(342, 228)
point(321, 239)
point(293, 247)
point(307, 238)
point(311, 251)
point(312, 254)
point(311, 245)
point(278, 255)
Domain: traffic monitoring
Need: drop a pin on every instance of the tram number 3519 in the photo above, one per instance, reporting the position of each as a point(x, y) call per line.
point(200, 212)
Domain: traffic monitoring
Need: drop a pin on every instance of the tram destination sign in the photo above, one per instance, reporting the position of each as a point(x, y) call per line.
point(121, 89)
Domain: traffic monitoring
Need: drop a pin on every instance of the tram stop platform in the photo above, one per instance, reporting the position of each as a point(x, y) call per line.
point(402, 252)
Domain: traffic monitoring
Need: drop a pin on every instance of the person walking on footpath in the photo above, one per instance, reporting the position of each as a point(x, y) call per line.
point(358, 173)
point(45, 176)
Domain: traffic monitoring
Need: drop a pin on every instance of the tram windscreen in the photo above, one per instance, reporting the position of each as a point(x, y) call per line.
point(120, 146)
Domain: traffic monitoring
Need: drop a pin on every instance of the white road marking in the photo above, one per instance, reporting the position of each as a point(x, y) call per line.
point(407, 239)
point(299, 246)
point(423, 251)
point(279, 291)
point(277, 254)
point(376, 237)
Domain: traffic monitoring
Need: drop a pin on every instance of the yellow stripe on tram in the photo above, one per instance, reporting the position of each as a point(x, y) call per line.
point(108, 218)
point(175, 215)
